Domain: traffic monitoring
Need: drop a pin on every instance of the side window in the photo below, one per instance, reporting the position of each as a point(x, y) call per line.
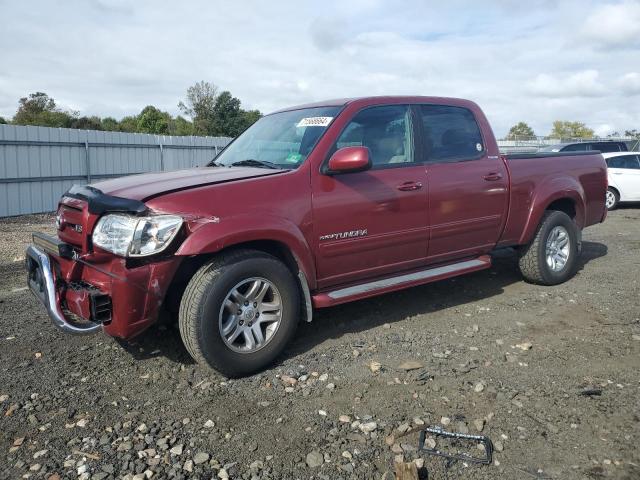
point(576, 147)
point(450, 133)
point(625, 161)
point(606, 147)
point(385, 131)
point(634, 162)
point(614, 162)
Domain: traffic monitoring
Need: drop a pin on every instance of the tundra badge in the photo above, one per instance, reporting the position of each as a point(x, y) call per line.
point(341, 235)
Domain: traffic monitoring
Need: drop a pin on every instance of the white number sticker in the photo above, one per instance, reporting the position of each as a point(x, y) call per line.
point(314, 122)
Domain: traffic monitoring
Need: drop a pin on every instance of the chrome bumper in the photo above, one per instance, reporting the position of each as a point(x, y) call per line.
point(42, 284)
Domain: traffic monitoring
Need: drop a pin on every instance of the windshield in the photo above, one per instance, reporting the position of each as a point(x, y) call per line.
point(279, 140)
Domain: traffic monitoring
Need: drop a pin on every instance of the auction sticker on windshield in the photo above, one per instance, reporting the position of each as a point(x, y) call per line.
point(314, 122)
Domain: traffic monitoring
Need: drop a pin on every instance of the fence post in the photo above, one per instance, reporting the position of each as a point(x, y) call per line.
point(161, 158)
point(87, 160)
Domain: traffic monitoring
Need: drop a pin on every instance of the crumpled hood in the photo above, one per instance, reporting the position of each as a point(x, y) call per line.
point(148, 185)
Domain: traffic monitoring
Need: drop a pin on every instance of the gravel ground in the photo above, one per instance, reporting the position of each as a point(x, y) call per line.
point(482, 352)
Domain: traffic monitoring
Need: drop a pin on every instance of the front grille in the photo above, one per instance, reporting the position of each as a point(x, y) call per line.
point(70, 222)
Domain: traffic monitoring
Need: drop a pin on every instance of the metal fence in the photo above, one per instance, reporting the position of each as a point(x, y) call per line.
point(38, 164)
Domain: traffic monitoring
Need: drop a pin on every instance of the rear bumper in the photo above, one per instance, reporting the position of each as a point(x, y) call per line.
point(96, 292)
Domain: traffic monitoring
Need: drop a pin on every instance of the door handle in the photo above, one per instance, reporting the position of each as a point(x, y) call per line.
point(409, 186)
point(492, 177)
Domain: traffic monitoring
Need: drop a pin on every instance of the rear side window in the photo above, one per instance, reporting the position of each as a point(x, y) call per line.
point(450, 133)
point(624, 161)
point(605, 147)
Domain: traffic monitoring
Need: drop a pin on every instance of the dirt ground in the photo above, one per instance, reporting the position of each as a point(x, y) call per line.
point(487, 352)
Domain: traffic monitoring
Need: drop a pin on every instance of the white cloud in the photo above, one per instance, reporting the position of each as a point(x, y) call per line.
point(630, 83)
point(603, 130)
point(616, 25)
point(533, 63)
point(579, 84)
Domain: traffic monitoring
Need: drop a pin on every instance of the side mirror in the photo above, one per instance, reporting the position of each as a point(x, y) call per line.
point(349, 160)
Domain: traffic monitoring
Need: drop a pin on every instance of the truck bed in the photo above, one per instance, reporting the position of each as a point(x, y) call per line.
point(538, 176)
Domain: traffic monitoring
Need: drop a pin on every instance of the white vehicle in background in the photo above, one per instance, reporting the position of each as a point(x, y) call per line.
point(624, 177)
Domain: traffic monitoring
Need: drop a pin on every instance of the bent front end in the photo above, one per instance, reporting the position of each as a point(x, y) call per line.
point(86, 289)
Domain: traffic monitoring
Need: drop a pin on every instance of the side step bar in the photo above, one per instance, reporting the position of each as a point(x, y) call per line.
point(377, 287)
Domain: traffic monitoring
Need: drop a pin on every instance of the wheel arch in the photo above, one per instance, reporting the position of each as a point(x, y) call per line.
point(277, 245)
point(564, 194)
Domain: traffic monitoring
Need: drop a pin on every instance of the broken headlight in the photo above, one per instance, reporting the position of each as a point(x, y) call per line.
point(130, 236)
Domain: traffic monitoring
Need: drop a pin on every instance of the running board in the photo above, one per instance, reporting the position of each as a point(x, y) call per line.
point(377, 287)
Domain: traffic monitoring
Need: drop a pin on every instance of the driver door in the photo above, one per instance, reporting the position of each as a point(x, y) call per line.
point(372, 223)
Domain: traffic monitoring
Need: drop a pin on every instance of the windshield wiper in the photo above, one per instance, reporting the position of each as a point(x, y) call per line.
point(250, 162)
point(213, 163)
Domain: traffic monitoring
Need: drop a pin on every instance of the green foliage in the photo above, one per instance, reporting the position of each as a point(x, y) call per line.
point(211, 114)
point(521, 131)
point(152, 120)
point(216, 114)
point(2, 121)
point(109, 124)
point(181, 126)
point(565, 129)
point(200, 104)
point(229, 120)
point(40, 109)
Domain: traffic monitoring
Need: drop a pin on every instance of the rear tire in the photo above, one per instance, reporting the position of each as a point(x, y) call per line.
point(612, 199)
point(552, 256)
point(223, 299)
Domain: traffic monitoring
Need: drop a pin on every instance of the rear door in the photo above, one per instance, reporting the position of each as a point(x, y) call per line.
point(624, 174)
point(467, 187)
point(374, 222)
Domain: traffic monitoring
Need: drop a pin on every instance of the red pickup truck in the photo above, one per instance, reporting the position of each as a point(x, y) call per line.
point(312, 206)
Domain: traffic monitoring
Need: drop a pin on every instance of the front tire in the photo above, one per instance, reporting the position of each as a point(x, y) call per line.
point(552, 256)
point(612, 199)
point(239, 311)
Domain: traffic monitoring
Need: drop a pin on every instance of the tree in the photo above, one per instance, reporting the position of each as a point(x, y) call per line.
point(180, 126)
point(227, 115)
point(520, 131)
point(40, 109)
point(128, 124)
point(109, 124)
point(565, 129)
point(199, 105)
point(212, 114)
point(152, 120)
point(2, 121)
point(229, 119)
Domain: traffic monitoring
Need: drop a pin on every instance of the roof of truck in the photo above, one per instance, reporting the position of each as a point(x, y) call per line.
point(340, 102)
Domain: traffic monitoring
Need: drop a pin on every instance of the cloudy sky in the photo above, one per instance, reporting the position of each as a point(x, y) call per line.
point(534, 60)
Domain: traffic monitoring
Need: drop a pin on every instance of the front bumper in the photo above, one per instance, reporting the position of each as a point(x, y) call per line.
point(41, 281)
point(96, 292)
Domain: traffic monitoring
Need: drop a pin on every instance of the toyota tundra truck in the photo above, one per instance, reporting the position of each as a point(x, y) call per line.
point(311, 207)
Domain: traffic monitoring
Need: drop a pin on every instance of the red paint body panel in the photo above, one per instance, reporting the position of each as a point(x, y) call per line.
point(341, 229)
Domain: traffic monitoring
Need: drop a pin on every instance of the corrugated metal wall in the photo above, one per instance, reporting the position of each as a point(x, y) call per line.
point(38, 164)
